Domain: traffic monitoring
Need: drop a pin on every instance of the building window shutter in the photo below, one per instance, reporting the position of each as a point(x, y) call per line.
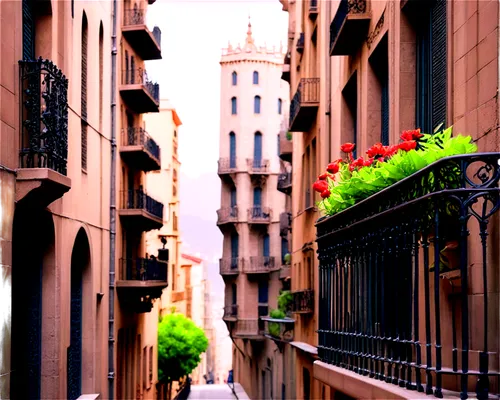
point(28, 31)
point(438, 57)
point(84, 92)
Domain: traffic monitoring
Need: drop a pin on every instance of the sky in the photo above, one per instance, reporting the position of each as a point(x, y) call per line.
point(193, 35)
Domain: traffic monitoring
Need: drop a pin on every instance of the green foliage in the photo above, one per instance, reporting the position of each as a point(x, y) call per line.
point(284, 301)
point(274, 327)
point(289, 135)
point(287, 258)
point(180, 344)
point(352, 187)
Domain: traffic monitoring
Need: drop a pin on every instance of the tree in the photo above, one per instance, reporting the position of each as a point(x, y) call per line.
point(180, 344)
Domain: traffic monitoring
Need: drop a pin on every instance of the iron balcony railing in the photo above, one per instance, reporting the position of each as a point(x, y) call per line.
point(137, 16)
point(227, 165)
point(139, 137)
point(346, 7)
point(284, 181)
point(139, 76)
point(230, 265)
point(408, 280)
point(231, 311)
point(226, 215)
point(259, 214)
point(303, 301)
point(260, 264)
point(43, 116)
point(307, 93)
point(257, 165)
point(143, 269)
point(137, 199)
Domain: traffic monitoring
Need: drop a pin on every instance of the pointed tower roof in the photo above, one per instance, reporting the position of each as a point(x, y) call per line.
point(249, 40)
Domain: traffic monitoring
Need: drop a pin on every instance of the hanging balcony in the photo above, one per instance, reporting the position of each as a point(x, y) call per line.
point(140, 211)
point(138, 92)
point(230, 313)
point(303, 301)
point(249, 328)
point(259, 215)
point(423, 254)
point(280, 330)
point(139, 150)
point(286, 147)
point(230, 266)
point(41, 176)
point(227, 215)
point(260, 265)
point(141, 280)
point(285, 272)
point(349, 27)
point(145, 43)
point(285, 183)
point(226, 166)
point(304, 105)
point(257, 166)
point(285, 223)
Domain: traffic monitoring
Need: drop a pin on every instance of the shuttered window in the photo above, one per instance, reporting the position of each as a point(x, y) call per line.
point(28, 30)
point(84, 90)
point(431, 67)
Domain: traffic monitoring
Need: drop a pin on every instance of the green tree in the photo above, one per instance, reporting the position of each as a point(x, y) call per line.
point(180, 344)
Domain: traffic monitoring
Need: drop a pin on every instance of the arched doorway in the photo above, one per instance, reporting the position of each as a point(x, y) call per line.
point(80, 262)
point(32, 269)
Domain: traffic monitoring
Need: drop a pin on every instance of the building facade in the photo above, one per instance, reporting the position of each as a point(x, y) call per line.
point(362, 72)
point(253, 98)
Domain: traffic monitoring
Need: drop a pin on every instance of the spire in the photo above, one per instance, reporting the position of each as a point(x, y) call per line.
point(249, 32)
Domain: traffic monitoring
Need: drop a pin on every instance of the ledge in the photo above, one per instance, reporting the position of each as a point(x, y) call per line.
point(40, 186)
point(306, 347)
point(94, 396)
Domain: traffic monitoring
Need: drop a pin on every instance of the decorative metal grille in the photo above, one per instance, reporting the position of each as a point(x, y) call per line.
point(345, 7)
point(138, 199)
point(139, 137)
point(143, 269)
point(307, 92)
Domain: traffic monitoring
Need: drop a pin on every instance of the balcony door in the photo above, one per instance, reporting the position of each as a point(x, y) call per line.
point(263, 298)
point(257, 202)
point(257, 150)
point(234, 250)
point(233, 203)
point(234, 294)
point(265, 246)
point(232, 150)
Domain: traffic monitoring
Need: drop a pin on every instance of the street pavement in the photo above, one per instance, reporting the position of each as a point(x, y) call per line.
point(216, 392)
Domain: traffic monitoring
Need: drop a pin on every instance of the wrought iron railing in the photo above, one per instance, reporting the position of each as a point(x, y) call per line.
point(139, 137)
point(227, 165)
point(278, 329)
point(137, 16)
point(143, 269)
point(231, 311)
point(228, 214)
point(43, 116)
point(139, 76)
point(307, 93)
point(284, 180)
point(259, 214)
point(401, 273)
point(257, 165)
point(346, 7)
point(230, 265)
point(260, 264)
point(137, 199)
point(303, 301)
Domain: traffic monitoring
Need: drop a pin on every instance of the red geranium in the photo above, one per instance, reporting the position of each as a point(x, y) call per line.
point(322, 177)
point(408, 145)
point(391, 150)
point(368, 162)
point(333, 167)
point(320, 186)
point(348, 147)
point(376, 150)
point(325, 194)
point(358, 162)
point(411, 135)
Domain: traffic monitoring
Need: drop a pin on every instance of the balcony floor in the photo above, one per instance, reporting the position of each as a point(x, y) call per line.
point(142, 41)
point(138, 99)
point(139, 158)
point(139, 219)
point(305, 117)
point(40, 186)
point(351, 35)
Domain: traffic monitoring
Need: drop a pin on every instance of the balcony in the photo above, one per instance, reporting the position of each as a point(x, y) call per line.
point(285, 183)
point(141, 280)
point(228, 215)
point(257, 166)
point(422, 254)
point(41, 176)
point(145, 43)
point(226, 166)
point(285, 272)
point(230, 313)
point(304, 105)
point(249, 328)
point(138, 92)
point(230, 266)
point(278, 330)
point(313, 9)
point(258, 215)
point(139, 211)
point(139, 150)
point(300, 43)
point(286, 147)
point(260, 265)
point(303, 301)
point(349, 27)
point(285, 223)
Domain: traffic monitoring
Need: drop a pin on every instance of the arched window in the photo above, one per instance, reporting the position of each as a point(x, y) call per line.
point(256, 105)
point(234, 78)
point(232, 150)
point(255, 78)
point(280, 105)
point(234, 107)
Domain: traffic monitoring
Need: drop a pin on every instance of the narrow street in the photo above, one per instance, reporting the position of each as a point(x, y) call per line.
point(218, 392)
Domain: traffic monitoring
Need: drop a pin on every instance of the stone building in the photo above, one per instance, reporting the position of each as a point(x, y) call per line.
point(253, 100)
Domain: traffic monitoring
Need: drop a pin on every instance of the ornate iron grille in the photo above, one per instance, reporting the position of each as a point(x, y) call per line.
point(398, 267)
point(143, 269)
point(44, 116)
point(139, 137)
point(138, 199)
point(303, 301)
point(134, 16)
point(345, 7)
point(307, 92)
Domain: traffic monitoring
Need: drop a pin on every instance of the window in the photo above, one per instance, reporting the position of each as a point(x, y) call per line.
point(256, 105)
point(174, 278)
point(431, 67)
point(144, 367)
point(83, 92)
point(349, 112)
point(265, 246)
point(233, 197)
point(150, 364)
point(284, 249)
point(234, 246)
point(257, 150)
point(234, 77)
point(280, 106)
point(255, 78)
point(257, 197)
point(378, 88)
point(234, 293)
point(232, 150)
point(234, 106)
point(28, 30)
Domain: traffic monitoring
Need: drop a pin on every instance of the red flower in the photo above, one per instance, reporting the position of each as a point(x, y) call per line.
point(368, 162)
point(323, 176)
point(333, 167)
point(348, 147)
point(376, 150)
point(381, 159)
point(358, 162)
point(325, 194)
point(391, 150)
point(332, 177)
point(411, 135)
point(408, 145)
point(320, 186)
point(351, 167)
